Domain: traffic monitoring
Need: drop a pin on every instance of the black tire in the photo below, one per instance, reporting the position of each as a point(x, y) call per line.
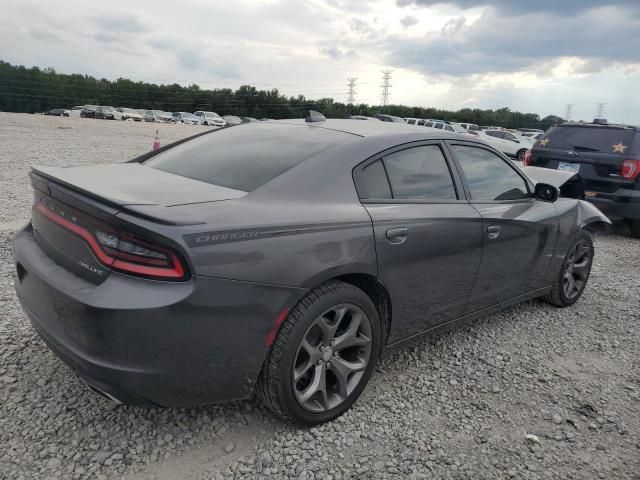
point(520, 154)
point(558, 295)
point(276, 383)
point(634, 226)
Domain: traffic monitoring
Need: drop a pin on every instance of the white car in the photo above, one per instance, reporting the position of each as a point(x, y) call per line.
point(130, 114)
point(186, 118)
point(156, 116)
point(76, 111)
point(449, 127)
point(508, 143)
point(210, 118)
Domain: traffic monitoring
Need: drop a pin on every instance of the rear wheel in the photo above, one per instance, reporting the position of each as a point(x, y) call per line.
point(574, 273)
point(323, 355)
point(634, 226)
point(521, 153)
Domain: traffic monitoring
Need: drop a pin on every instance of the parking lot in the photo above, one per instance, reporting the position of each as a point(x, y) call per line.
point(532, 392)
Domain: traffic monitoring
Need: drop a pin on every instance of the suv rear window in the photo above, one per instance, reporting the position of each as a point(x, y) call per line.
point(589, 139)
point(248, 156)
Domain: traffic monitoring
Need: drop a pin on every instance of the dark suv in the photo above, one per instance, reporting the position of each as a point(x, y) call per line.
point(607, 158)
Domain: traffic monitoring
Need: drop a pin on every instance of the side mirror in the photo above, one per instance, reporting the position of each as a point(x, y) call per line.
point(546, 192)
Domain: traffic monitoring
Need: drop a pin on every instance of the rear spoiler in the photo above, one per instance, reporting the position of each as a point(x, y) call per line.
point(47, 180)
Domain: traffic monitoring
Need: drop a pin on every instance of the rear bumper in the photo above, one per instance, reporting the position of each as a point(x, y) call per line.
point(143, 341)
point(622, 204)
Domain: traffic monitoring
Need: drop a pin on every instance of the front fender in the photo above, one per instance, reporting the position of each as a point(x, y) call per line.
point(588, 214)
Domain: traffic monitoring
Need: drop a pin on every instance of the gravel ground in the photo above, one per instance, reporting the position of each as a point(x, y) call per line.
point(532, 392)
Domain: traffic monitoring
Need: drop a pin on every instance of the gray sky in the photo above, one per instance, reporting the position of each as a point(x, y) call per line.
point(528, 55)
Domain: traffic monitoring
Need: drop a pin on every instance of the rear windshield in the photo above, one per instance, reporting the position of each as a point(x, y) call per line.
point(590, 139)
point(247, 156)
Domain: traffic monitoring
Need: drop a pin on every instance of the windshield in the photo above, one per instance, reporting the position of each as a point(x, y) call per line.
point(212, 114)
point(248, 156)
point(590, 139)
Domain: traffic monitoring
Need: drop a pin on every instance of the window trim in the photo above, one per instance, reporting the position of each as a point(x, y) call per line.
point(528, 183)
point(458, 186)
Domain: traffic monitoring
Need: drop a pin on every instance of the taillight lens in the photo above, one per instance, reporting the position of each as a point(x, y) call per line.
point(123, 251)
point(527, 158)
point(630, 169)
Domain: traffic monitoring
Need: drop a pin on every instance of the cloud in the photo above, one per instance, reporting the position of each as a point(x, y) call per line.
point(337, 53)
point(519, 7)
point(119, 22)
point(409, 21)
point(496, 43)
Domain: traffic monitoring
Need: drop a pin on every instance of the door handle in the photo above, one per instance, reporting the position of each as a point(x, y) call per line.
point(397, 235)
point(493, 231)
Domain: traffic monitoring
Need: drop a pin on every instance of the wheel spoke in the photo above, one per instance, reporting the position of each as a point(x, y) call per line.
point(581, 252)
point(344, 368)
point(318, 383)
point(328, 326)
point(299, 371)
point(581, 270)
point(352, 337)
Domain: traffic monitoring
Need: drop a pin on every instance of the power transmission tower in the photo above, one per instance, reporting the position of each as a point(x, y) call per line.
point(568, 110)
point(600, 109)
point(351, 93)
point(386, 85)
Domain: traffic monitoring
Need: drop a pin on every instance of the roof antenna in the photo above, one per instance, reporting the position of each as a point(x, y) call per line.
point(314, 116)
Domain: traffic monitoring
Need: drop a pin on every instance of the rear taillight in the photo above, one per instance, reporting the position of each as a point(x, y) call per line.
point(123, 251)
point(630, 169)
point(527, 158)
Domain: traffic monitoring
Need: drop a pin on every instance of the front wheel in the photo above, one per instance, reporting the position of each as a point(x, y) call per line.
point(574, 272)
point(323, 355)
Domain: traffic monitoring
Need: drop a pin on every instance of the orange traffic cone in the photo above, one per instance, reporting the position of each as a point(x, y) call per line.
point(156, 141)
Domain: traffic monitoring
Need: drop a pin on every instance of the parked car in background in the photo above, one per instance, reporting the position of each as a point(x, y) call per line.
point(248, 119)
point(186, 118)
point(469, 126)
point(232, 120)
point(508, 143)
point(58, 112)
point(210, 118)
point(607, 159)
point(108, 113)
point(389, 118)
point(206, 290)
point(362, 117)
point(76, 111)
point(88, 111)
point(130, 114)
point(156, 116)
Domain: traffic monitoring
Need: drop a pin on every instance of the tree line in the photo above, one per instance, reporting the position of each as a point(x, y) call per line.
point(35, 90)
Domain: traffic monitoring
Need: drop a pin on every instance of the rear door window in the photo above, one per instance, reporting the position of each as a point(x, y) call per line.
point(590, 139)
point(449, 128)
point(420, 173)
point(438, 125)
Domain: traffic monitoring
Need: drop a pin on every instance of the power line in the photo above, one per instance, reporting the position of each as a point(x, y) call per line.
point(568, 110)
point(386, 85)
point(351, 93)
point(600, 106)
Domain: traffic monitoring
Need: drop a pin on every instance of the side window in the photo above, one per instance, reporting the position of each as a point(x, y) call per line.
point(420, 173)
point(438, 125)
point(420, 122)
point(428, 124)
point(489, 176)
point(373, 183)
point(411, 121)
point(493, 133)
point(508, 136)
point(449, 128)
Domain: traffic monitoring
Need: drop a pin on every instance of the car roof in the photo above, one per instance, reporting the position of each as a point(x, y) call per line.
point(371, 129)
point(599, 125)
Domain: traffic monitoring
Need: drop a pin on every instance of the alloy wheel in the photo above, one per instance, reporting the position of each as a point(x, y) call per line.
point(332, 357)
point(576, 270)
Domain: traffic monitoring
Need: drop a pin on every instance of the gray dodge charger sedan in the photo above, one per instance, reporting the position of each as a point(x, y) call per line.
point(283, 257)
